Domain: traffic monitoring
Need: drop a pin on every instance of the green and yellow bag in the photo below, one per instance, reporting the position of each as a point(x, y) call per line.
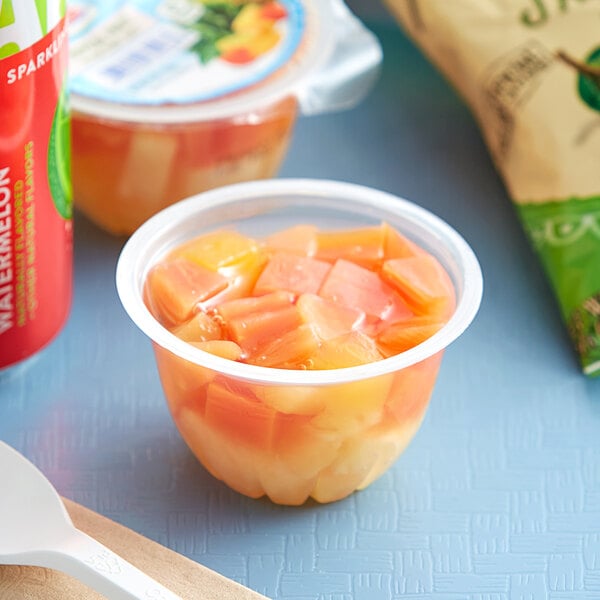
point(530, 72)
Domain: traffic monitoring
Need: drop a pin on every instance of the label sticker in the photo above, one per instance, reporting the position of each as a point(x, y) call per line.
point(178, 51)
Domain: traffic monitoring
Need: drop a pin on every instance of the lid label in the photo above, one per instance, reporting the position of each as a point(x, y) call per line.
point(178, 51)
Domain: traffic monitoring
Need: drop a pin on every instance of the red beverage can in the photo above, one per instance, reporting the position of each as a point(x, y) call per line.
point(35, 180)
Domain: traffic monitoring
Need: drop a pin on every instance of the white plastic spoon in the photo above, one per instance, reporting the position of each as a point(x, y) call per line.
point(36, 530)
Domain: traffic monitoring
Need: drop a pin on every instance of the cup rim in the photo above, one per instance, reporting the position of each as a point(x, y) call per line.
point(132, 268)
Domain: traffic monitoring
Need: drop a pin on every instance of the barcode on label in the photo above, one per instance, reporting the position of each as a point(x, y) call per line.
point(144, 53)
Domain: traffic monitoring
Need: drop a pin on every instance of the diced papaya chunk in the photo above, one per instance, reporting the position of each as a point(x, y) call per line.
point(363, 246)
point(293, 350)
point(293, 273)
point(404, 335)
point(412, 388)
point(422, 282)
point(328, 319)
point(395, 245)
point(217, 249)
point(253, 331)
point(300, 239)
point(175, 287)
point(255, 321)
point(356, 287)
point(241, 307)
point(234, 410)
point(199, 328)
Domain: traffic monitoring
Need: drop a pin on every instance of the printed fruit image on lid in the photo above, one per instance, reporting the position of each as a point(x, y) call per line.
point(238, 32)
point(185, 51)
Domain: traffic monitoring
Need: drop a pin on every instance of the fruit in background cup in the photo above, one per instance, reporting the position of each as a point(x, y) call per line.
point(313, 382)
point(124, 172)
point(170, 100)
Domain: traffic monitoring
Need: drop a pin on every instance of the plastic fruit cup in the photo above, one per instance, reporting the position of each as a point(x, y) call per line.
point(191, 98)
point(295, 434)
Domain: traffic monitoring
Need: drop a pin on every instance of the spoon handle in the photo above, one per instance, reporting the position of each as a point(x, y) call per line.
point(92, 563)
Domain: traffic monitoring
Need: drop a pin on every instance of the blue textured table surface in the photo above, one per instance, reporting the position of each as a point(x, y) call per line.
point(498, 497)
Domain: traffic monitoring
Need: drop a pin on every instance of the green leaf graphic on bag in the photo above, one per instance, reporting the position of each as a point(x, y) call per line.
point(589, 85)
point(530, 73)
point(588, 82)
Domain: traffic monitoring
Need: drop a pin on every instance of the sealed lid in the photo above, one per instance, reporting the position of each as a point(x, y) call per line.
point(187, 60)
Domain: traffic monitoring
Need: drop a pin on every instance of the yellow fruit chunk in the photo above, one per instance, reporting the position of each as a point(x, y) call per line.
point(299, 239)
point(386, 446)
point(346, 473)
point(347, 350)
point(292, 350)
point(235, 466)
point(363, 246)
point(223, 348)
point(283, 487)
point(362, 459)
point(241, 277)
point(293, 399)
point(297, 455)
point(200, 328)
point(217, 249)
point(150, 152)
point(352, 406)
point(328, 319)
point(183, 382)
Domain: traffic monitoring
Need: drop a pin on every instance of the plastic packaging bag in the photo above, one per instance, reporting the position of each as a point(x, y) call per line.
point(530, 72)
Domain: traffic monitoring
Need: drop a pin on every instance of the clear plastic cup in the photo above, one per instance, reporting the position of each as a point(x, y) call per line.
point(160, 113)
point(296, 434)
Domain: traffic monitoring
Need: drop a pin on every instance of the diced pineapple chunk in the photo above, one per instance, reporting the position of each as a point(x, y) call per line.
point(235, 466)
point(147, 170)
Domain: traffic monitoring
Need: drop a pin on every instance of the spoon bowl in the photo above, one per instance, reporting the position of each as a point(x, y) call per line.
point(36, 530)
